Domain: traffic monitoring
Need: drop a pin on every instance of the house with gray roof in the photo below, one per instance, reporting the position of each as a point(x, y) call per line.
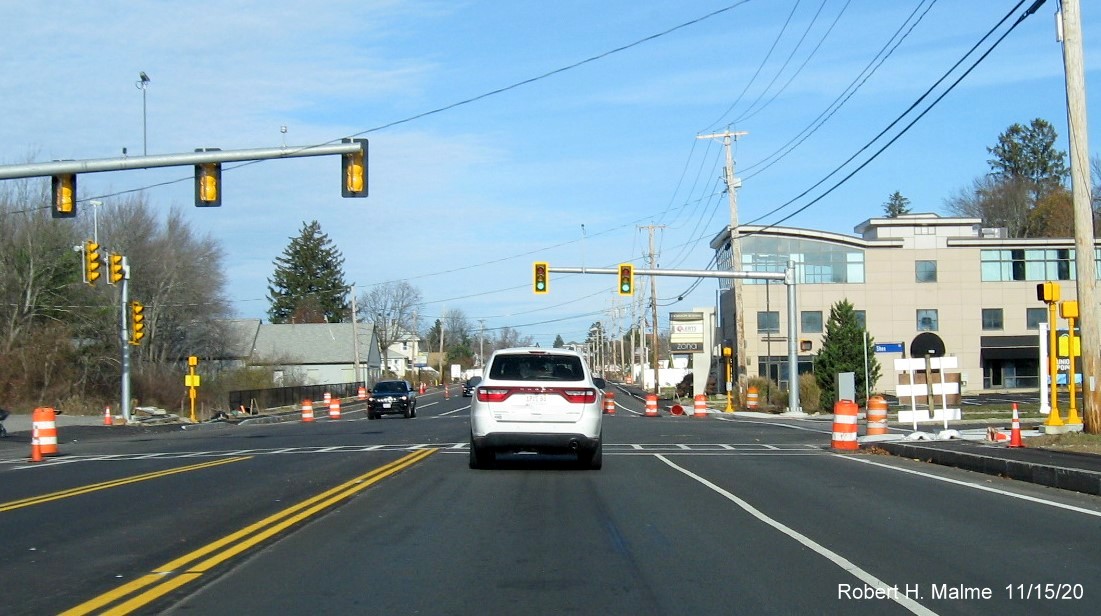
point(307, 353)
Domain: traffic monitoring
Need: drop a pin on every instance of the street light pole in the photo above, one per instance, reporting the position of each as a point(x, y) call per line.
point(142, 84)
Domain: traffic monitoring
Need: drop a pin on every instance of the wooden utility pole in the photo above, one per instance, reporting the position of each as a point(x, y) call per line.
point(1083, 215)
point(732, 186)
point(654, 308)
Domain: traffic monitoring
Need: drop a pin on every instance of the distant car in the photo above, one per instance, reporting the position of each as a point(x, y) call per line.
point(535, 399)
point(392, 397)
point(469, 385)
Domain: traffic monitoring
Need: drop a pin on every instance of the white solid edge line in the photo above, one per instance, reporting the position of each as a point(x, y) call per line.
point(830, 555)
point(976, 486)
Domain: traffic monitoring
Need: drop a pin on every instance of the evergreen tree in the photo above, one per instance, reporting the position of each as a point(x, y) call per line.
point(843, 351)
point(559, 342)
point(308, 283)
point(896, 205)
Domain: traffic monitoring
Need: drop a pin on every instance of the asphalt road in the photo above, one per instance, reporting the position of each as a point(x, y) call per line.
point(723, 515)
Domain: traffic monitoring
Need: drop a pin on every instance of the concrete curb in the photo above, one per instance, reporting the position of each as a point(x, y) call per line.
point(1078, 480)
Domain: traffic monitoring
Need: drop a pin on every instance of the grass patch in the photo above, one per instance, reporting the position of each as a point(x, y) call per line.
point(1071, 441)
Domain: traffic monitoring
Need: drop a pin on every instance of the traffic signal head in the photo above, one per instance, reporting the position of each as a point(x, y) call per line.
point(137, 322)
point(626, 279)
point(91, 262)
point(1048, 292)
point(64, 196)
point(541, 280)
point(353, 170)
point(208, 182)
point(115, 269)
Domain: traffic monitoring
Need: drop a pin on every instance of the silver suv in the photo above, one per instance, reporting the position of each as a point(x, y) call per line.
point(533, 399)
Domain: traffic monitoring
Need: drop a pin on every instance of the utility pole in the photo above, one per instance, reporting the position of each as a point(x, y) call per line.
point(1083, 214)
point(654, 308)
point(732, 186)
point(355, 338)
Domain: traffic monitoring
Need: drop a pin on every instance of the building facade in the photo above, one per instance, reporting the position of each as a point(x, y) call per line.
point(971, 286)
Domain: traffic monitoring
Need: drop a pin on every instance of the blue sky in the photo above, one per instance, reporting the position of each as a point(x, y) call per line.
point(563, 169)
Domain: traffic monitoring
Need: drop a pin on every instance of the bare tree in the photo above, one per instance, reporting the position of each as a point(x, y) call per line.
point(998, 202)
point(391, 307)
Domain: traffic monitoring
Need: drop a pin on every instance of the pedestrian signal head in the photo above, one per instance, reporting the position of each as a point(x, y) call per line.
point(626, 279)
point(540, 283)
point(1048, 292)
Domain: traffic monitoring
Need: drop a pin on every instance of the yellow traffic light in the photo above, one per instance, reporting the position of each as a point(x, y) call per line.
point(115, 269)
point(91, 262)
point(64, 196)
point(208, 183)
point(540, 283)
point(626, 279)
point(137, 322)
point(353, 170)
point(1048, 292)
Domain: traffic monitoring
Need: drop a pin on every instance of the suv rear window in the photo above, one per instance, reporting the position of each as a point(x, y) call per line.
point(537, 367)
point(390, 387)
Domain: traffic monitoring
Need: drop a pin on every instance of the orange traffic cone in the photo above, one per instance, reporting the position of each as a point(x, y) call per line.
point(1015, 433)
point(107, 419)
point(36, 449)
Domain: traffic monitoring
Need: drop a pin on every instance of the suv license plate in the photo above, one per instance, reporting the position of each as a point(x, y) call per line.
point(531, 399)
point(385, 405)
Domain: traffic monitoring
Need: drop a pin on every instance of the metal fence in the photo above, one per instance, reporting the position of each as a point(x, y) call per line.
point(254, 400)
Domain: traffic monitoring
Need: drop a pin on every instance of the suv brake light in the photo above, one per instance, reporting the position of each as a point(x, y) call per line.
point(583, 395)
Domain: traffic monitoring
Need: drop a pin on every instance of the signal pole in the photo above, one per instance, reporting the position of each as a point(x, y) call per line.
point(732, 186)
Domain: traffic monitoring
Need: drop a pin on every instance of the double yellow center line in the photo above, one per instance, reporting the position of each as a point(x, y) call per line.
point(172, 575)
point(45, 498)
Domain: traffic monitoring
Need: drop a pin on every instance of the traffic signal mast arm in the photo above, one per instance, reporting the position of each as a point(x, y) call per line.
point(781, 276)
point(61, 167)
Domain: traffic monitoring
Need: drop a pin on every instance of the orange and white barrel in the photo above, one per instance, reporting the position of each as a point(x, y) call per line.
point(751, 401)
point(328, 397)
point(334, 408)
point(877, 415)
point(362, 395)
point(699, 407)
point(307, 410)
point(651, 405)
point(845, 414)
point(45, 420)
point(609, 403)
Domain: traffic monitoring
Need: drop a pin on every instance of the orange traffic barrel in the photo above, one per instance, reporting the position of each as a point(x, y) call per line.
point(328, 397)
point(699, 407)
point(362, 393)
point(334, 408)
point(609, 403)
point(44, 420)
point(877, 415)
point(751, 401)
point(307, 410)
point(651, 405)
point(844, 425)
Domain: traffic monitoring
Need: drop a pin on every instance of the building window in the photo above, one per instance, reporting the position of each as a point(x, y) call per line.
point(927, 320)
point(861, 318)
point(926, 271)
point(768, 322)
point(1035, 316)
point(811, 322)
point(992, 319)
point(1032, 264)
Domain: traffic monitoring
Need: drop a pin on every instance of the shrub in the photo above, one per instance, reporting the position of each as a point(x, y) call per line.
point(810, 394)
